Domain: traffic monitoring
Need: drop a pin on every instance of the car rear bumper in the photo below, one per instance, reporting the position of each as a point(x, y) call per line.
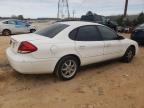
point(26, 65)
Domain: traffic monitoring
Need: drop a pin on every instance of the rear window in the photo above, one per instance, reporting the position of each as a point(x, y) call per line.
point(6, 22)
point(52, 30)
point(20, 23)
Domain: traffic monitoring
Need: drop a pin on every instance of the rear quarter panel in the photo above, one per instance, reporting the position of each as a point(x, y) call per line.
point(54, 50)
point(8, 26)
point(57, 47)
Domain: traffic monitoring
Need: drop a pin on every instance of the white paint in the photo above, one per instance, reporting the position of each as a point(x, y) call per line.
point(51, 50)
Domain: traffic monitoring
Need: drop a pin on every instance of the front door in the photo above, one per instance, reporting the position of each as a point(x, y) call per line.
point(113, 46)
point(21, 27)
point(89, 44)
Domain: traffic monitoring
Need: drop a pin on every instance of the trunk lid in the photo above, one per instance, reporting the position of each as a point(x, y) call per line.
point(16, 40)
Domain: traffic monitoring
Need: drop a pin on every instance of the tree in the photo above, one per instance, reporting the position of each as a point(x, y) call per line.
point(89, 13)
point(14, 17)
point(120, 21)
point(140, 18)
point(134, 22)
point(127, 22)
point(20, 17)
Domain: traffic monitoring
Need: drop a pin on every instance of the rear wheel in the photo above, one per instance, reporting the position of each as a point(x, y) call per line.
point(129, 55)
point(67, 68)
point(6, 32)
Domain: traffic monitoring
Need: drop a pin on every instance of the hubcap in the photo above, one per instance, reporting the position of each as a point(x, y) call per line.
point(6, 33)
point(69, 68)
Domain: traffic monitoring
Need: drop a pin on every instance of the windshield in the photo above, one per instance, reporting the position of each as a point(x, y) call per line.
point(52, 30)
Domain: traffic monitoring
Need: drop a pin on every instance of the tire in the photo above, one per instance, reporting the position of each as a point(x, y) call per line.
point(32, 30)
point(130, 53)
point(66, 68)
point(6, 32)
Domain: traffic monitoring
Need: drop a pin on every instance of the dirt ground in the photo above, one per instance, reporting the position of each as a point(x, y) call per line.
point(106, 85)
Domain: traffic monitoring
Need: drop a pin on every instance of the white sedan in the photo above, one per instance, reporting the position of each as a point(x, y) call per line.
point(63, 47)
point(8, 27)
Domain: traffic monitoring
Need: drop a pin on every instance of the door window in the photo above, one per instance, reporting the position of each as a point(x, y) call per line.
point(88, 33)
point(11, 22)
point(20, 23)
point(73, 34)
point(6, 22)
point(107, 33)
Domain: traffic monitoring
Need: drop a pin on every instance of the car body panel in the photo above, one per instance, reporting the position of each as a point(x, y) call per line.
point(90, 52)
point(51, 50)
point(27, 64)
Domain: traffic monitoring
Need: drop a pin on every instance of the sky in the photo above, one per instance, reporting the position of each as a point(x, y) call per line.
point(48, 8)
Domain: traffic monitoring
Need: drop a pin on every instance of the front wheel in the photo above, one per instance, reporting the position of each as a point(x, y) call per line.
point(67, 68)
point(129, 55)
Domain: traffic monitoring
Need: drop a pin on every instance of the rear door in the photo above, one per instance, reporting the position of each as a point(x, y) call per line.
point(21, 27)
point(89, 44)
point(113, 47)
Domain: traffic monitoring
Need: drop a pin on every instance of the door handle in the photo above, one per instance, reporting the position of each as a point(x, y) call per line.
point(82, 47)
point(108, 45)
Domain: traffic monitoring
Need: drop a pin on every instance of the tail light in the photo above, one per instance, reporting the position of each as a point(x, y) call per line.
point(26, 47)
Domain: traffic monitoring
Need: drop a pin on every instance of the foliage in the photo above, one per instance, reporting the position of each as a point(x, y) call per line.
point(120, 21)
point(140, 18)
point(89, 13)
point(20, 17)
point(126, 22)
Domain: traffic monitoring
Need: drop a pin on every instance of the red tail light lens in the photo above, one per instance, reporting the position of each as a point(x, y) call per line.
point(26, 47)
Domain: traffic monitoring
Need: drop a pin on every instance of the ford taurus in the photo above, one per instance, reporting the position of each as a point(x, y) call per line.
point(63, 47)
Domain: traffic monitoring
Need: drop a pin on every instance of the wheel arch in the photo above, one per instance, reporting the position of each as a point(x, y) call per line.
point(6, 29)
point(133, 46)
point(71, 55)
point(55, 72)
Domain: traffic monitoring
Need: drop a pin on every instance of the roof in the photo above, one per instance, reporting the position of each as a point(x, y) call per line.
point(78, 23)
point(10, 20)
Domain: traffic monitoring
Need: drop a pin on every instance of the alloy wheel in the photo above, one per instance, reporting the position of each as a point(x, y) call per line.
point(69, 68)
